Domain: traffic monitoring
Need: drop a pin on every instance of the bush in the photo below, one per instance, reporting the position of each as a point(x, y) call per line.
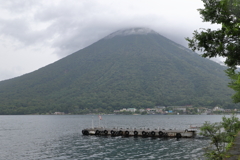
point(222, 135)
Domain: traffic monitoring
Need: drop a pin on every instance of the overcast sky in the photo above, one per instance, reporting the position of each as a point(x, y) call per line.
point(34, 33)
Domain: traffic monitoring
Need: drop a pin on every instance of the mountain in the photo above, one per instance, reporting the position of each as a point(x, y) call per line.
point(135, 67)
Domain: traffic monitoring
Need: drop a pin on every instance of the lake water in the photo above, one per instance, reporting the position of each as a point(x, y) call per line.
point(57, 137)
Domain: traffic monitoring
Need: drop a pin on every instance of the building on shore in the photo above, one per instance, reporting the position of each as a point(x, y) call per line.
point(58, 113)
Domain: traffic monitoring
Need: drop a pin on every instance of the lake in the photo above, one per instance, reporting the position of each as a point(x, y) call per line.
point(57, 137)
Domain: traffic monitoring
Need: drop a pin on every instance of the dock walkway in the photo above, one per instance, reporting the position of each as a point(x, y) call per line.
point(144, 132)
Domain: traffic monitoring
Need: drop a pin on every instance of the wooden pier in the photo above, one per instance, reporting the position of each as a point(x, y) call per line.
point(143, 132)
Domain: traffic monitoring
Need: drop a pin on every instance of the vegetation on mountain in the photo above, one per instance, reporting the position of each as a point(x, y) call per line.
point(140, 71)
point(224, 41)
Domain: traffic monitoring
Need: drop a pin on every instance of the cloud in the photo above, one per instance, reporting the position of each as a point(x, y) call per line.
point(70, 26)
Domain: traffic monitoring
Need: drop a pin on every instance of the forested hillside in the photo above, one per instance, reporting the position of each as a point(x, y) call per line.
point(134, 70)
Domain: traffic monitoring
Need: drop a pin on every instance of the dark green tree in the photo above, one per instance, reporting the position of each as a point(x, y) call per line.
point(234, 84)
point(225, 41)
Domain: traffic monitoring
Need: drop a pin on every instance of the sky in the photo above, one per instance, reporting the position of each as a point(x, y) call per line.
point(34, 33)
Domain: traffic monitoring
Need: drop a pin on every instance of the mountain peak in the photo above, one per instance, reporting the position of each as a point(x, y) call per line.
point(131, 31)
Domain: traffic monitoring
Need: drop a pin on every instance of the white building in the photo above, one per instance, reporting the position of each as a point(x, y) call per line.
point(217, 109)
point(131, 109)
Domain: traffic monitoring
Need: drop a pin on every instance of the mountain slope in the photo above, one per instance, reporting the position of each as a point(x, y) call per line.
point(129, 68)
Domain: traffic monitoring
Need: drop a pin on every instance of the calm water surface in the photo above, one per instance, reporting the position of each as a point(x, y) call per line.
point(59, 137)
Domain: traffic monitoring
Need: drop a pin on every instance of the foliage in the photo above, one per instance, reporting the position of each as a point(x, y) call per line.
point(143, 113)
point(140, 71)
point(223, 42)
point(234, 84)
point(231, 126)
point(126, 113)
point(221, 134)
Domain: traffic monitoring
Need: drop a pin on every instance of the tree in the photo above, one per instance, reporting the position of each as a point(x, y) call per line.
point(222, 135)
point(224, 42)
point(216, 149)
point(234, 84)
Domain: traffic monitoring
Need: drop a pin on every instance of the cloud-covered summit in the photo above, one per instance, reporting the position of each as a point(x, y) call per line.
point(131, 31)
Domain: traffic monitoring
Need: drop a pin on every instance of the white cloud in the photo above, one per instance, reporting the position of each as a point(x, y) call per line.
point(18, 59)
